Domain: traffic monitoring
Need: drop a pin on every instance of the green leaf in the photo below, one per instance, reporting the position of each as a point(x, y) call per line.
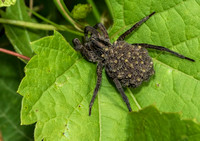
point(20, 37)
point(10, 104)
point(150, 124)
point(7, 2)
point(56, 93)
point(59, 83)
point(80, 11)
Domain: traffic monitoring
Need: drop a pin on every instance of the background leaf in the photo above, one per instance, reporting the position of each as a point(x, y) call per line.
point(80, 11)
point(10, 76)
point(150, 124)
point(20, 37)
point(7, 2)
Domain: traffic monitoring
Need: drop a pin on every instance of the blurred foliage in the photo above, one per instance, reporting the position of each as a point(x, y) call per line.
point(80, 11)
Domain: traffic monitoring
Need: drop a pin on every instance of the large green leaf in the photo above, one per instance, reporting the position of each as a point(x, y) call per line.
point(149, 124)
point(7, 2)
point(56, 93)
point(59, 83)
point(20, 37)
point(10, 102)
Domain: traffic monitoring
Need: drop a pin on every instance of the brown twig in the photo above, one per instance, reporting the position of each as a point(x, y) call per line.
point(31, 7)
point(1, 138)
point(14, 54)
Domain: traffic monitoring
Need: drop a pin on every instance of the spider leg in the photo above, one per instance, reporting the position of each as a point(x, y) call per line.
point(121, 90)
point(84, 51)
point(122, 37)
point(98, 45)
point(104, 41)
point(92, 30)
point(99, 77)
point(103, 30)
point(164, 49)
point(104, 38)
point(77, 44)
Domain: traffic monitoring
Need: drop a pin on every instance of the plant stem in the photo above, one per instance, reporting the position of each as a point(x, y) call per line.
point(14, 54)
point(44, 19)
point(109, 7)
point(65, 12)
point(27, 24)
point(30, 6)
point(95, 10)
point(38, 26)
point(1, 138)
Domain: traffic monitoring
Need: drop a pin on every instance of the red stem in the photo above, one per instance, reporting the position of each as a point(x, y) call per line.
point(14, 54)
point(1, 138)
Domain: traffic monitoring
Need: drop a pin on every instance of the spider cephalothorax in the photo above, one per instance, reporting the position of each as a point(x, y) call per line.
point(128, 65)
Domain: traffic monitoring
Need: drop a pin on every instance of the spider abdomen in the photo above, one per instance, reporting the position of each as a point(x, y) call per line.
point(130, 64)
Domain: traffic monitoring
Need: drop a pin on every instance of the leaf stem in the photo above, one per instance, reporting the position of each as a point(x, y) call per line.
point(27, 24)
point(1, 138)
point(38, 26)
point(14, 54)
point(95, 10)
point(109, 7)
point(30, 6)
point(66, 14)
point(42, 18)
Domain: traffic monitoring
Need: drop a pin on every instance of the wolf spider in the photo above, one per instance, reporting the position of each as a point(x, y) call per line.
point(128, 65)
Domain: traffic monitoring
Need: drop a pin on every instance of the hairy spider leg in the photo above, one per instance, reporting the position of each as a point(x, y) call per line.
point(79, 47)
point(104, 38)
point(121, 90)
point(164, 49)
point(98, 45)
point(92, 30)
point(77, 44)
point(103, 30)
point(122, 37)
point(99, 78)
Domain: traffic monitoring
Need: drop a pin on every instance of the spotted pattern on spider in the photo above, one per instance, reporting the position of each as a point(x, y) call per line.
point(131, 64)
